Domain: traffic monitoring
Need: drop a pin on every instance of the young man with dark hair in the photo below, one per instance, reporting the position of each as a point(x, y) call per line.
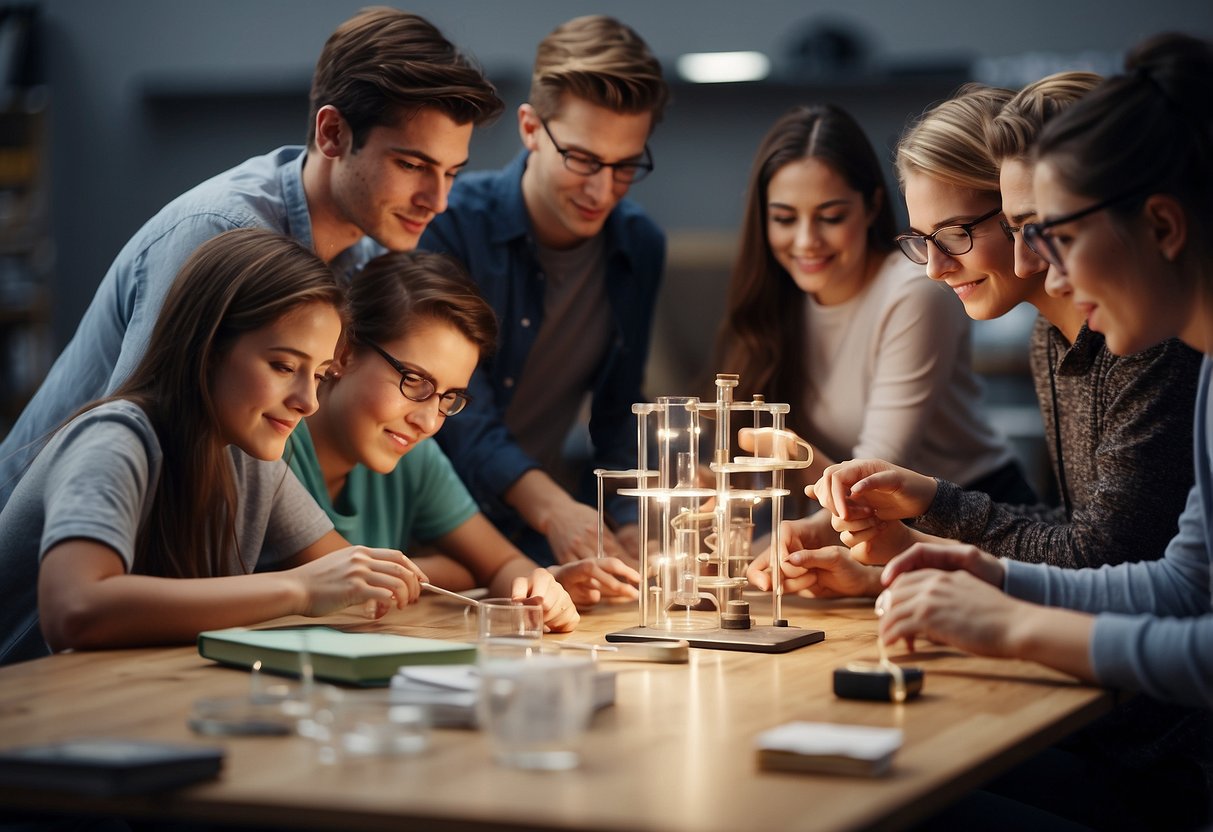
point(393, 104)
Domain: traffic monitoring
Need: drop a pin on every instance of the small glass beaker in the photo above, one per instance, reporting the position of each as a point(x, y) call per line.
point(535, 710)
point(508, 628)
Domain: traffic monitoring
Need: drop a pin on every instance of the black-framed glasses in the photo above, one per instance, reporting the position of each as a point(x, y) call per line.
point(952, 240)
point(416, 386)
point(582, 164)
point(1038, 238)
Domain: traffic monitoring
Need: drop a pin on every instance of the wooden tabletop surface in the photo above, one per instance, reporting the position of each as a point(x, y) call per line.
point(675, 752)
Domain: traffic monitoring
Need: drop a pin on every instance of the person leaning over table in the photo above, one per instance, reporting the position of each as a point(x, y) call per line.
point(417, 329)
point(1122, 187)
point(392, 109)
point(572, 269)
point(165, 509)
point(824, 313)
point(1116, 426)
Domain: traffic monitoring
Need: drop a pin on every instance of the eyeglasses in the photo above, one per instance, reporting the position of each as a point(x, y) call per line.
point(952, 240)
point(1038, 238)
point(584, 165)
point(418, 387)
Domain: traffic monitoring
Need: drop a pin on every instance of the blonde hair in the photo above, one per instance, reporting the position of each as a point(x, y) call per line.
point(1013, 131)
point(948, 141)
point(600, 60)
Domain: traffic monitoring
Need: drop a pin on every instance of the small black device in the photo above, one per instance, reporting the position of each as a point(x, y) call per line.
point(875, 683)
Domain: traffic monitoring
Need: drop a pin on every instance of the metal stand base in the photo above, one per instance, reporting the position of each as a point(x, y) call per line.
point(754, 640)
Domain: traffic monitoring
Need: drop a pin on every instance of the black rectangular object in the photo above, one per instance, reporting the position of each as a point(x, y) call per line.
point(875, 684)
point(108, 767)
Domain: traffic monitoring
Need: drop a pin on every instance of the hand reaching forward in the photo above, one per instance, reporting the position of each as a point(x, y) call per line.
point(572, 532)
point(949, 557)
point(559, 612)
point(589, 581)
point(951, 594)
point(380, 578)
point(872, 540)
point(831, 572)
point(948, 593)
point(953, 608)
point(812, 532)
point(863, 487)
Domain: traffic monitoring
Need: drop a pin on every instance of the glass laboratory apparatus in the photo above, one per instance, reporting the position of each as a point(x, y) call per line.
point(698, 498)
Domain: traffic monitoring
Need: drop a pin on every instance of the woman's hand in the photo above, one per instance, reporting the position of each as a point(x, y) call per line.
point(872, 540)
point(380, 578)
point(864, 487)
point(954, 608)
point(589, 581)
point(949, 557)
point(559, 612)
point(831, 572)
point(950, 593)
point(812, 532)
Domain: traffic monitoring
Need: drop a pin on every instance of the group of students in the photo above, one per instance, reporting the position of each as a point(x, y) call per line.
point(1092, 200)
point(141, 462)
point(239, 429)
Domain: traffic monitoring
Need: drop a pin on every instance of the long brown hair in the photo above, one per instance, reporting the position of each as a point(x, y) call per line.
point(762, 331)
point(235, 283)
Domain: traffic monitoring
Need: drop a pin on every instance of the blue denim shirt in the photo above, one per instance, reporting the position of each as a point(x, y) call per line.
point(487, 227)
point(265, 191)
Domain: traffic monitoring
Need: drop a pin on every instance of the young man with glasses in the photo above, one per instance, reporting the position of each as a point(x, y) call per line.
point(572, 270)
point(393, 104)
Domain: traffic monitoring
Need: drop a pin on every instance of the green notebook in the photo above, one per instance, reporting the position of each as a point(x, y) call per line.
point(355, 658)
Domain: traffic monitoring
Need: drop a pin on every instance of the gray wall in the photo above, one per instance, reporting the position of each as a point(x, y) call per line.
point(151, 96)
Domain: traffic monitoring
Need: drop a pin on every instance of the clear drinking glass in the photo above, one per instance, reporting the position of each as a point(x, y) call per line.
point(508, 628)
point(535, 710)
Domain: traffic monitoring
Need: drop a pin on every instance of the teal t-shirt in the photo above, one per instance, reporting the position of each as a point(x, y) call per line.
point(420, 501)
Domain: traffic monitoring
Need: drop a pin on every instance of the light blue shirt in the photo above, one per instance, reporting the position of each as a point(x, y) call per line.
point(264, 192)
point(1154, 628)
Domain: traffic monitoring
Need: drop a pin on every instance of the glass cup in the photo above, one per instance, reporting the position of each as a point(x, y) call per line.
point(535, 710)
point(352, 724)
point(509, 629)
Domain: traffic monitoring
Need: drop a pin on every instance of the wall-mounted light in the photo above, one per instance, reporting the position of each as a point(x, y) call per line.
point(723, 67)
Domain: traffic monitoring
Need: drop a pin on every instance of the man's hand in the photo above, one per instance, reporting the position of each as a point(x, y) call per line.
point(572, 532)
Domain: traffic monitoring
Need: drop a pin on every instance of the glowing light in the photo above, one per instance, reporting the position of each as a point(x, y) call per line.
point(723, 67)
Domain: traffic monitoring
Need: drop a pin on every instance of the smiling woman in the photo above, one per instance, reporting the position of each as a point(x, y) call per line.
point(178, 475)
point(419, 327)
point(823, 313)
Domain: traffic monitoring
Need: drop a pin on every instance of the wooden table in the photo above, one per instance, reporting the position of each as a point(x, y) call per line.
point(674, 753)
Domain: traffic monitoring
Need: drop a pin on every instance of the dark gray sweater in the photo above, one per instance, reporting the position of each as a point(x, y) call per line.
point(1119, 433)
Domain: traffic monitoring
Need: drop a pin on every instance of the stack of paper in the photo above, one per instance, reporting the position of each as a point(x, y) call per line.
point(828, 749)
point(450, 691)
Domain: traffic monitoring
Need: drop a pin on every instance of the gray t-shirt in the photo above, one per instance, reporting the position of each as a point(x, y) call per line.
point(96, 478)
point(568, 350)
